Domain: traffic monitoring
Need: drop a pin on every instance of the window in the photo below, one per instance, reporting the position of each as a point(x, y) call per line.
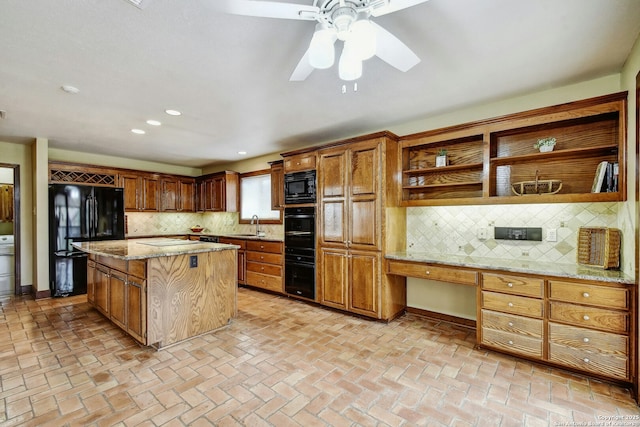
point(255, 198)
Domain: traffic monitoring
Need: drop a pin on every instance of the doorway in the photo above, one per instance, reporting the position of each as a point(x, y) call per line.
point(10, 283)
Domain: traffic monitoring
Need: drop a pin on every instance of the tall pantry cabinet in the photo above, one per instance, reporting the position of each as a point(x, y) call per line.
point(359, 220)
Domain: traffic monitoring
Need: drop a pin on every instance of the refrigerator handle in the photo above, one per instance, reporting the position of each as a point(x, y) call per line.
point(95, 215)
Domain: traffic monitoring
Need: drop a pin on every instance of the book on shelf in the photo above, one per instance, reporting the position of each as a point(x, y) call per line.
point(606, 178)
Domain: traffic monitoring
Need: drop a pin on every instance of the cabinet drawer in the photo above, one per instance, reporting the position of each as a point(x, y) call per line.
point(138, 268)
point(115, 263)
point(264, 281)
point(425, 271)
point(262, 246)
point(518, 285)
point(238, 242)
point(513, 343)
point(513, 324)
point(602, 296)
point(512, 304)
point(610, 360)
point(273, 270)
point(589, 317)
point(275, 259)
point(300, 162)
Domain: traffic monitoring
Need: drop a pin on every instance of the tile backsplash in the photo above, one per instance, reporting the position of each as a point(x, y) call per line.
point(455, 229)
point(147, 224)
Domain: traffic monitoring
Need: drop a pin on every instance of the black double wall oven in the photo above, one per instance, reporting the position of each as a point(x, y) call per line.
point(300, 247)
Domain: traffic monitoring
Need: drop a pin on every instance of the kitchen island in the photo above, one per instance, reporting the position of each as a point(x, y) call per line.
point(162, 291)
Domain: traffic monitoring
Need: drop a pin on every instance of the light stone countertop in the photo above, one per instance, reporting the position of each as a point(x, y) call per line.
point(149, 248)
point(573, 271)
point(267, 237)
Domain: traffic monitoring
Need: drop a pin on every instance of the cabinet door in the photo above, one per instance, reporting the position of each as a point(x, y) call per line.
point(91, 282)
point(219, 194)
point(364, 190)
point(364, 283)
point(277, 185)
point(6, 203)
point(117, 298)
point(332, 277)
point(242, 276)
point(186, 196)
point(132, 191)
point(136, 308)
point(150, 194)
point(169, 199)
point(102, 290)
point(332, 184)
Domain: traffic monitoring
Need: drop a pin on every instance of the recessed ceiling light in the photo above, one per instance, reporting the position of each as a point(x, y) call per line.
point(138, 131)
point(242, 153)
point(173, 112)
point(153, 122)
point(70, 89)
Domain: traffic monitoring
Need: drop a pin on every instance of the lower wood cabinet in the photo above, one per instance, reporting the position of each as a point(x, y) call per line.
point(118, 290)
point(242, 270)
point(265, 264)
point(585, 326)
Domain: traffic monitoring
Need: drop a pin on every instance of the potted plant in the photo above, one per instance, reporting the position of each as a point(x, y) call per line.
point(441, 157)
point(545, 144)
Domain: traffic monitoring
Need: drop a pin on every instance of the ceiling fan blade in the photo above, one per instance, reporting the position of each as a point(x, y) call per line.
point(271, 9)
point(393, 51)
point(394, 6)
point(303, 69)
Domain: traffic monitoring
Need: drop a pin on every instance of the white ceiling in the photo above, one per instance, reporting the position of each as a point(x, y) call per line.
point(229, 75)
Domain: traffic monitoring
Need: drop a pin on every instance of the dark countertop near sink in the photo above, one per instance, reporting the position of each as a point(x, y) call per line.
point(574, 271)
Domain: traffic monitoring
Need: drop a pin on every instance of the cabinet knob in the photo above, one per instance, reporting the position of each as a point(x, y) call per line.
point(585, 339)
point(510, 285)
point(510, 342)
point(510, 304)
point(586, 294)
point(585, 317)
point(261, 257)
point(261, 246)
point(586, 360)
point(428, 272)
point(511, 324)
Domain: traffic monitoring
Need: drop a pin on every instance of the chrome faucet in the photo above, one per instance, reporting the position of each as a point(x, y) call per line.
point(255, 217)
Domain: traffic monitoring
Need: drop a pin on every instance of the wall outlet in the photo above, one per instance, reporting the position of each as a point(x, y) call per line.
point(552, 235)
point(482, 234)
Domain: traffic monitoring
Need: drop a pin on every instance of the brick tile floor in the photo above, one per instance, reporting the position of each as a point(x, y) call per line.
point(279, 363)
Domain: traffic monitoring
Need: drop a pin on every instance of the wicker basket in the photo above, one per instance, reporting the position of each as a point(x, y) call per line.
point(526, 188)
point(599, 247)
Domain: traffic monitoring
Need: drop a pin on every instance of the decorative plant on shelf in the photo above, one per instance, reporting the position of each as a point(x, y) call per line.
point(441, 157)
point(545, 144)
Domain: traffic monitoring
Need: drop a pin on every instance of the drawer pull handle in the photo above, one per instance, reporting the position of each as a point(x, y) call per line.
point(510, 285)
point(586, 360)
point(510, 304)
point(586, 294)
point(585, 317)
point(510, 342)
point(511, 324)
point(585, 339)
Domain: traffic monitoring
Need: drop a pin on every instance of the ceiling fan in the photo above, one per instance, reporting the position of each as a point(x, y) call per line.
point(345, 20)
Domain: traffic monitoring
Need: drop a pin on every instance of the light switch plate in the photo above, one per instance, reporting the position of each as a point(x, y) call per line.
point(552, 235)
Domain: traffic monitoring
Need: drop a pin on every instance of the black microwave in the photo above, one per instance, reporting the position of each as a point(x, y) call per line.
point(300, 187)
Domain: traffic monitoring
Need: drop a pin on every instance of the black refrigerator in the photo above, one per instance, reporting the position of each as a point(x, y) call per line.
point(79, 213)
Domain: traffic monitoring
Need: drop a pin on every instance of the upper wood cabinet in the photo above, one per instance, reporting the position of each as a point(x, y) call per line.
point(218, 192)
point(495, 162)
point(141, 192)
point(299, 162)
point(277, 185)
point(178, 194)
point(6, 203)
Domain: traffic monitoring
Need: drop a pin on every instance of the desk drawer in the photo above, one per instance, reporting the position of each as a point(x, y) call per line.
point(512, 304)
point(590, 317)
point(517, 285)
point(427, 271)
point(603, 296)
point(513, 343)
point(513, 324)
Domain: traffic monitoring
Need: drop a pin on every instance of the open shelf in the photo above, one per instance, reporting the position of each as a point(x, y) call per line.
point(486, 158)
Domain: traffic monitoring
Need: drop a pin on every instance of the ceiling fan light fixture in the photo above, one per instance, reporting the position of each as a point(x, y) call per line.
point(342, 18)
point(350, 65)
point(363, 35)
point(322, 52)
